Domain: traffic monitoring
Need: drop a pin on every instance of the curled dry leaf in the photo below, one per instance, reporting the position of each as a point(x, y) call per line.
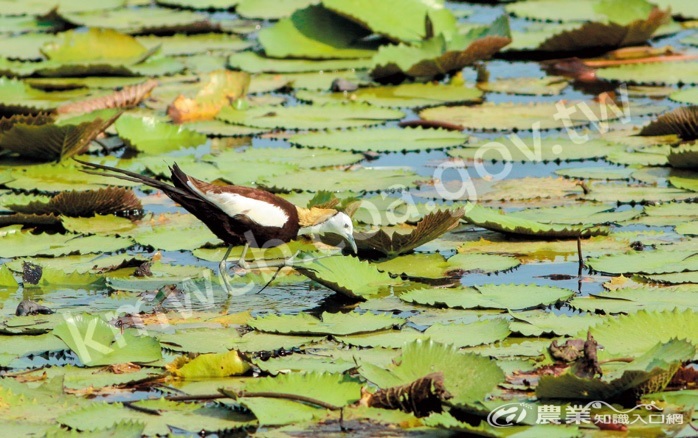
point(128, 97)
point(221, 88)
point(432, 226)
point(603, 35)
point(6, 123)
point(682, 122)
point(111, 200)
point(421, 397)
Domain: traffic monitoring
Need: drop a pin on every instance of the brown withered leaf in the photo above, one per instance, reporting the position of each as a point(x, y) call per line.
point(110, 200)
point(31, 273)
point(52, 142)
point(429, 228)
point(31, 220)
point(570, 351)
point(220, 88)
point(421, 397)
point(682, 121)
point(594, 35)
point(6, 123)
point(127, 97)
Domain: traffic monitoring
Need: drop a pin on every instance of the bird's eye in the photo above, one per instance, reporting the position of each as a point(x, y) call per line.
point(346, 225)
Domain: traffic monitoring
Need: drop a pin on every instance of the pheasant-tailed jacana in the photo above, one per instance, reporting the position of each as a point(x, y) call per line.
point(242, 215)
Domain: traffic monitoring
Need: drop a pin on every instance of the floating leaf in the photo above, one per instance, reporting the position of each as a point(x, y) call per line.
point(646, 262)
point(329, 324)
point(97, 343)
point(441, 54)
point(508, 223)
point(254, 63)
point(213, 365)
point(148, 135)
point(632, 300)
point(337, 180)
point(515, 148)
point(435, 266)
point(316, 33)
point(628, 335)
point(510, 296)
point(404, 95)
point(652, 73)
point(303, 158)
point(648, 373)
point(220, 88)
point(468, 377)
point(549, 323)
point(381, 140)
point(310, 117)
point(348, 276)
point(132, 20)
point(547, 86)
point(23, 244)
point(104, 45)
point(270, 9)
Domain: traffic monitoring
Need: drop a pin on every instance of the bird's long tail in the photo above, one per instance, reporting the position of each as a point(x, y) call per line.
point(133, 177)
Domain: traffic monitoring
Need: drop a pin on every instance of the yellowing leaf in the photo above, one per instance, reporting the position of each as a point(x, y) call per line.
point(222, 88)
point(213, 365)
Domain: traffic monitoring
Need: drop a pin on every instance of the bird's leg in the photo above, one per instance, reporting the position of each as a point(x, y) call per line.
point(242, 263)
point(223, 270)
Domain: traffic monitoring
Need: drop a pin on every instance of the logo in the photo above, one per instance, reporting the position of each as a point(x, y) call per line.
point(508, 415)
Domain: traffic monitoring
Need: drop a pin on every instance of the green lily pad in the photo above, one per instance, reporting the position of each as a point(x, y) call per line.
point(329, 324)
point(97, 343)
point(468, 377)
point(271, 9)
point(510, 296)
point(650, 372)
point(536, 150)
point(254, 63)
point(303, 158)
point(626, 195)
point(24, 244)
point(305, 364)
point(103, 45)
point(435, 266)
point(153, 137)
point(633, 300)
point(336, 180)
point(507, 116)
point(348, 276)
point(200, 4)
point(581, 214)
point(511, 224)
point(646, 262)
point(547, 86)
point(550, 323)
point(404, 95)
point(181, 44)
point(669, 73)
point(133, 20)
point(381, 140)
point(310, 117)
point(628, 335)
point(443, 53)
point(316, 33)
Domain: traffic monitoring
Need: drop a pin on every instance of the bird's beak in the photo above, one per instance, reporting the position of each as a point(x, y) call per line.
point(350, 240)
